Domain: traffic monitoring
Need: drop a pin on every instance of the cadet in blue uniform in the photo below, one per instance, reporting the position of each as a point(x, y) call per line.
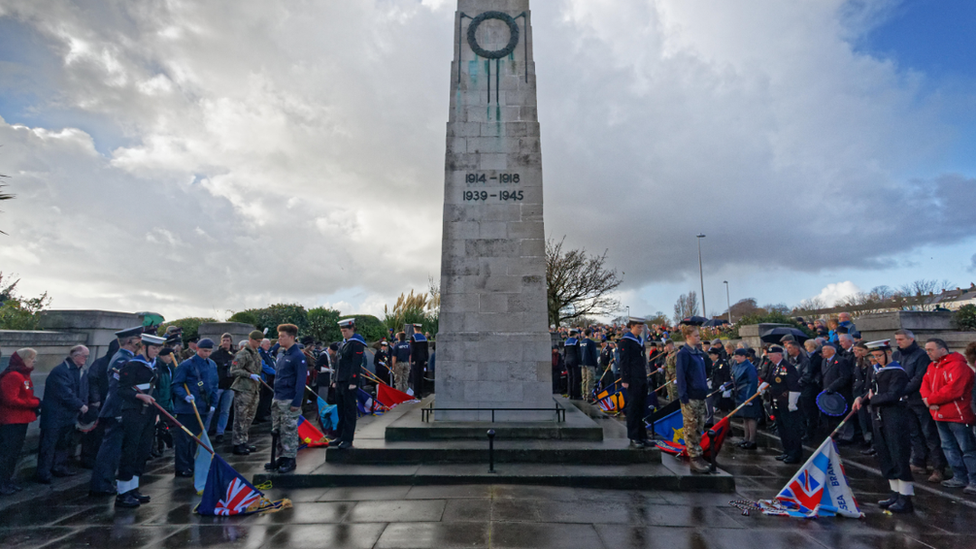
point(891, 425)
point(292, 371)
point(419, 354)
point(137, 383)
point(589, 359)
point(401, 362)
point(571, 353)
point(198, 374)
point(785, 390)
point(633, 375)
point(350, 360)
point(110, 415)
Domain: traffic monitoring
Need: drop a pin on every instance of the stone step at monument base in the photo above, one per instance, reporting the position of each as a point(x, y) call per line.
point(606, 452)
point(411, 427)
point(669, 475)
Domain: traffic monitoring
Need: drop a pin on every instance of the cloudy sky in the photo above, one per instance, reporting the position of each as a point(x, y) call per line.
point(199, 158)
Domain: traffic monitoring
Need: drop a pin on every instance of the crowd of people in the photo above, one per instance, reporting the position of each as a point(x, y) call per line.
point(147, 392)
point(911, 405)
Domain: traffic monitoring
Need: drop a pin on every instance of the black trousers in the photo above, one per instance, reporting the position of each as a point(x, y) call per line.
point(185, 446)
point(809, 412)
point(574, 380)
point(53, 448)
point(348, 413)
point(925, 439)
point(892, 441)
point(109, 454)
point(636, 407)
point(264, 405)
point(789, 427)
point(417, 378)
point(137, 439)
point(90, 443)
point(11, 442)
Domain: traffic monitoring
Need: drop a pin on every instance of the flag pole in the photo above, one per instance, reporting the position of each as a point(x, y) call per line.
point(180, 425)
point(841, 424)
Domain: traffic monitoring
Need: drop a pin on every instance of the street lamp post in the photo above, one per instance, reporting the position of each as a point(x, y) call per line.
point(728, 300)
point(701, 275)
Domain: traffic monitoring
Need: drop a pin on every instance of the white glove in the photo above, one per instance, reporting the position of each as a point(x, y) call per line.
point(189, 398)
point(727, 394)
point(213, 409)
point(255, 377)
point(351, 387)
point(794, 398)
point(709, 384)
point(764, 387)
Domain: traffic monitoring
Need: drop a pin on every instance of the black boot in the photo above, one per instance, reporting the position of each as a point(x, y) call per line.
point(241, 450)
point(127, 501)
point(886, 503)
point(140, 497)
point(288, 465)
point(903, 505)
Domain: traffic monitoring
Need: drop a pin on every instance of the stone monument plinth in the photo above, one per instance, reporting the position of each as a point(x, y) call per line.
point(493, 344)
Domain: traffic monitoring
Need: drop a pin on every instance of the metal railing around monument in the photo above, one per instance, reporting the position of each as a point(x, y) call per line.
point(427, 413)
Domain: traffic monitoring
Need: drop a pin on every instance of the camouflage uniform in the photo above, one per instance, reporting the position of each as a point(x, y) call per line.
point(246, 362)
point(286, 423)
point(693, 414)
point(670, 366)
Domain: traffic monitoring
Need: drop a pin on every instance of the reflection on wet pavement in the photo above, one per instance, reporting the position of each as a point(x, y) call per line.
point(482, 516)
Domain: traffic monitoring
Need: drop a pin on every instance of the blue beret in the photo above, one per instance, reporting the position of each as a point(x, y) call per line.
point(205, 343)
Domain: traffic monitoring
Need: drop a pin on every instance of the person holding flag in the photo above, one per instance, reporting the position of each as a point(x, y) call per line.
point(746, 381)
point(194, 383)
point(890, 422)
point(692, 389)
point(633, 377)
point(137, 383)
point(350, 362)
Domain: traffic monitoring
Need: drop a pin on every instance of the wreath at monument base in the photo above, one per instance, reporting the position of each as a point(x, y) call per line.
point(496, 54)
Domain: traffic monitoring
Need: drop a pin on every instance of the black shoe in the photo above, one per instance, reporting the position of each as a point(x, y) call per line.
point(288, 466)
point(748, 446)
point(781, 457)
point(61, 473)
point(343, 446)
point(789, 461)
point(141, 498)
point(219, 439)
point(903, 505)
point(869, 452)
point(184, 474)
point(6, 490)
point(97, 494)
point(16, 487)
point(241, 450)
point(126, 501)
point(637, 443)
point(251, 448)
point(886, 503)
point(42, 480)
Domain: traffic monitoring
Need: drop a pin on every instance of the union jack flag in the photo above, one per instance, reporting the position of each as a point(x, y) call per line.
point(228, 493)
point(819, 488)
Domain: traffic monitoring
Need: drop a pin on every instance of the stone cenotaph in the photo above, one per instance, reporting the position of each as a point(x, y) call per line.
point(493, 345)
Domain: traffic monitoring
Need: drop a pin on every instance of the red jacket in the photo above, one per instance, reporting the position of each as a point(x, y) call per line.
point(17, 401)
point(948, 384)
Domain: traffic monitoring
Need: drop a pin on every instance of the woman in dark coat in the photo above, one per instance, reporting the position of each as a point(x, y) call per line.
point(18, 408)
point(746, 381)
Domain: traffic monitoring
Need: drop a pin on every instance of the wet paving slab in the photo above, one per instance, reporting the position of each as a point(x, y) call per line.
point(484, 515)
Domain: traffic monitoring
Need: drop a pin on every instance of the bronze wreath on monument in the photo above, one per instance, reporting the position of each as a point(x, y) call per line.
point(497, 54)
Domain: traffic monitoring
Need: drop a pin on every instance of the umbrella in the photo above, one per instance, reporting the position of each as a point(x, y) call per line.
point(150, 318)
point(776, 334)
point(715, 323)
point(694, 320)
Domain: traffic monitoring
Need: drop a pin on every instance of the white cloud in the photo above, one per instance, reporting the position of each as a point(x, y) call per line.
point(832, 294)
point(293, 153)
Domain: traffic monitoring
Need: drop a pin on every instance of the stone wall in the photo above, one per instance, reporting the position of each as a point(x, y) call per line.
point(239, 331)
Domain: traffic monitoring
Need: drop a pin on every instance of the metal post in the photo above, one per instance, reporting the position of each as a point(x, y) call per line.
point(273, 465)
point(728, 300)
point(491, 450)
point(701, 275)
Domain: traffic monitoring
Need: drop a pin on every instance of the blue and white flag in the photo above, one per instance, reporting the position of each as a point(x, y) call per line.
point(201, 465)
point(820, 487)
point(329, 414)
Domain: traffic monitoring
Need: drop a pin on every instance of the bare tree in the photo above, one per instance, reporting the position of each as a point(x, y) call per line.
point(579, 285)
point(657, 319)
point(921, 288)
point(811, 305)
point(687, 305)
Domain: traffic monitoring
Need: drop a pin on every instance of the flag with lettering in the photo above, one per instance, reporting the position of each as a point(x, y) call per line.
point(228, 493)
point(820, 487)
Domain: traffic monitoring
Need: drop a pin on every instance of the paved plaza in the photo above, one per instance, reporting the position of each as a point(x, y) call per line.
point(63, 515)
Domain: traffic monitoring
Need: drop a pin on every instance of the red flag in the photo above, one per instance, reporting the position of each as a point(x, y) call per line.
point(309, 435)
point(390, 397)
